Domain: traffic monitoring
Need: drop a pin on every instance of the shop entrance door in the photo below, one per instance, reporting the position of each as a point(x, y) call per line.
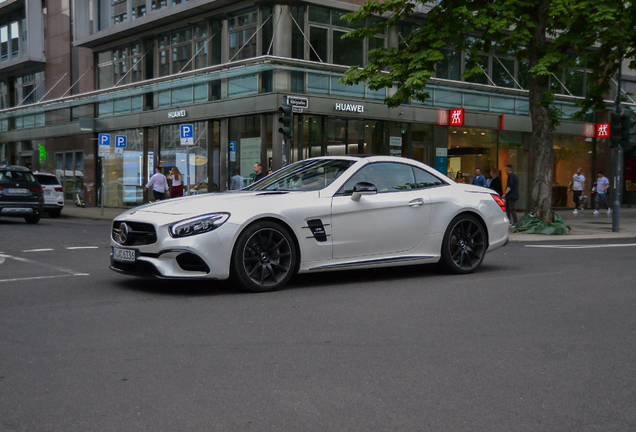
point(344, 136)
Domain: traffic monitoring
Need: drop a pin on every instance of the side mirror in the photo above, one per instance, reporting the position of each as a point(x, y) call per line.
point(363, 188)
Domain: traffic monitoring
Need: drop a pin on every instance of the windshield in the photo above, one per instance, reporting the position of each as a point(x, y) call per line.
point(309, 175)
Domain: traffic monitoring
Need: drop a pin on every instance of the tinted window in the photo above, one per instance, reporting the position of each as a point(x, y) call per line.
point(47, 180)
point(387, 177)
point(16, 176)
point(424, 179)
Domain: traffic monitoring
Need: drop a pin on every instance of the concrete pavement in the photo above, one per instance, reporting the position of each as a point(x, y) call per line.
point(584, 224)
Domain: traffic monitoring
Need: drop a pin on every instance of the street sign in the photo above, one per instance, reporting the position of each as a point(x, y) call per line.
point(297, 110)
point(232, 151)
point(298, 102)
point(120, 143)
point(104, 145)
point(187, 134)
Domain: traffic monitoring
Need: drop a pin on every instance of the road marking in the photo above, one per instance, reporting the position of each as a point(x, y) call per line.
point(582, 246)
point(83, 247)
point(62, 269)
point(42, 277)
point(1, 260)
point(38, 250)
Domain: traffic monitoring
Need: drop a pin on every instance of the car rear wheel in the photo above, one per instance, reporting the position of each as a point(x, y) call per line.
point(464, 245)
point(264, 258)
point(55, 213)
point(32, 219)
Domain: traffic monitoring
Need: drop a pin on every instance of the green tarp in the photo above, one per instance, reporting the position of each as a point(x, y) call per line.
point(529, 224)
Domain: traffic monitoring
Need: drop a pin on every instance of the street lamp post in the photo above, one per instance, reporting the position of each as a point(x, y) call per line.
point(618, 159)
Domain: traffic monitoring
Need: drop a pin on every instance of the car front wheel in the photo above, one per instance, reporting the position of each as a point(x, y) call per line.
point(464, 245)
point(264, 258)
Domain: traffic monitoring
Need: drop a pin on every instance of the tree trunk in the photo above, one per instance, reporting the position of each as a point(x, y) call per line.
point(542, 125)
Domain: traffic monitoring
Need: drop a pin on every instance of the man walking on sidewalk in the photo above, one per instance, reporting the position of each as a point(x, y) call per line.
point(578, 182)
point(511, 194)
point(479, 179)
point(602, 185)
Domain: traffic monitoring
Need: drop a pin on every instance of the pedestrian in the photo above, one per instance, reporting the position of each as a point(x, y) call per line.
point(236, 181)
point(177, 182)
point(576, 187)
point(495, 182)
point(258, 169)
point(159, 185)
point(479, 180)
point(602, 185)
point(459, 177)
point(511, 195)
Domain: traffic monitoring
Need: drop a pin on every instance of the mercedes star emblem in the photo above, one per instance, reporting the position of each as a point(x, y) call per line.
point(124, 232)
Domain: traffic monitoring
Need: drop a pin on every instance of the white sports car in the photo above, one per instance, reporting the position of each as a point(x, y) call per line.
point(326, 213)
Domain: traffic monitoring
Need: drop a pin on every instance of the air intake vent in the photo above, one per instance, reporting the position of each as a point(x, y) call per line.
point(190, 262)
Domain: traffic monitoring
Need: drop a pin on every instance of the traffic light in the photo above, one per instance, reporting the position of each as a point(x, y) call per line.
point(286, 121)
point(616, 127)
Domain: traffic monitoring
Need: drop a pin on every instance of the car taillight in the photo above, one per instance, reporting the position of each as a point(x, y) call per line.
point(37, 189)
point(59, 189)
point(499, 201)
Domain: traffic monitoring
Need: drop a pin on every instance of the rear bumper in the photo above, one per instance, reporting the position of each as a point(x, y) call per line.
point(21, 209)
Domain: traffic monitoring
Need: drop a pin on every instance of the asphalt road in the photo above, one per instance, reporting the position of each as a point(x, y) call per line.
point(540, 339)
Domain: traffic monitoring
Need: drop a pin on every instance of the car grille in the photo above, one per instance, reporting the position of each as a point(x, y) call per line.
point(139, 233)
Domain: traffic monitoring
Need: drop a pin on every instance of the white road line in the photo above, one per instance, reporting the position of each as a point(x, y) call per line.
point(582, 246)
point(38, 250)
point(42, 277)
point(62, 269)
point(83, 247)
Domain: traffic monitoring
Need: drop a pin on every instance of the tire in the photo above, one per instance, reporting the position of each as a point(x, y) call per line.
point(264, 258)
point(32, 219)
point(55, 213)
point(464, 245)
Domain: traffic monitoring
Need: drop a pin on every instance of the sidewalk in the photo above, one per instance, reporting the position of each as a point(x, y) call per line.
point(585, 226)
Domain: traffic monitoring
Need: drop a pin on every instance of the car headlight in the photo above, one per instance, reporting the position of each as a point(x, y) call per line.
point(198, 225)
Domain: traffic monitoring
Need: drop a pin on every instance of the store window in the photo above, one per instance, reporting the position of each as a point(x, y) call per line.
point(246, 147)
point(69, 169)
point(512, 151)
point(471, 148)
point(123, 179)
point(570, 153)
point(188, 159)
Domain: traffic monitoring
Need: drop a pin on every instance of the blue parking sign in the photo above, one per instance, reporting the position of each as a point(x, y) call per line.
point(104, 145)
point(187, 134)
point(120, 143)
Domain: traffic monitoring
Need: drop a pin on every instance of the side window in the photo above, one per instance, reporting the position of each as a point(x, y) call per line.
point(387, 177)
point(425, 180)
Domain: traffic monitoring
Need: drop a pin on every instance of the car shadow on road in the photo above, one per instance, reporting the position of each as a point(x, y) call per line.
point(193, 288)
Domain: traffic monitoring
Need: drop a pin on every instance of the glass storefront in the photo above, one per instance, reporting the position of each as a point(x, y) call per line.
point(469, 149)
point(570, 153)
point(245, 147)
point(192, 160)
point(123, 172)
point(512, 151)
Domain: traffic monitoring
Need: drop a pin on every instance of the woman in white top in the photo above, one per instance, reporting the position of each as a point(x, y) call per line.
point(177, 182)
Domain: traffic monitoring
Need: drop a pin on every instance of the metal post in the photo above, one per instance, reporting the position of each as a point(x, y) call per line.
point(618, 159)
point(101, 195)
point(188, 167)
point(284, 151)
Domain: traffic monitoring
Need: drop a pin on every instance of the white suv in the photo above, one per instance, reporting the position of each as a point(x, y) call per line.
point(53, 193)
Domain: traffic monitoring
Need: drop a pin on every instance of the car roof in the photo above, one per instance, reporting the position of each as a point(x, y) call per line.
point(14, 168)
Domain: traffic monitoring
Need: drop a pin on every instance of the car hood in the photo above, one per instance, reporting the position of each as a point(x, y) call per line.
point(208, 203)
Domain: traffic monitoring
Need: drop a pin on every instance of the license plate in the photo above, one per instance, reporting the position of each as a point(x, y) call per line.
point(124, 255)
point(16, 191)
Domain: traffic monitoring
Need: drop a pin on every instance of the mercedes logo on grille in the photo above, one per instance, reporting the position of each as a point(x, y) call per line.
point(124, 232)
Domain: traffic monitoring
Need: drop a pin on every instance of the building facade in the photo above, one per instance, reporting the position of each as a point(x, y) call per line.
point(70, 71)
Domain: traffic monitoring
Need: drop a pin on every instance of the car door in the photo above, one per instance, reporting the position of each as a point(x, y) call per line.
point(393, 220)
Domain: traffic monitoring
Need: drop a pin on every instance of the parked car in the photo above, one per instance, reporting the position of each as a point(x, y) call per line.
point(21, 194)
point(53, 193)
point(327, 213)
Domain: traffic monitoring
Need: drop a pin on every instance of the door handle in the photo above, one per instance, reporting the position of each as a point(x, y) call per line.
point(416, 202)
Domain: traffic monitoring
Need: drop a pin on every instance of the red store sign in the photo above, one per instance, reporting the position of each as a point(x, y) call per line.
point(602, 130)
point(457, 117)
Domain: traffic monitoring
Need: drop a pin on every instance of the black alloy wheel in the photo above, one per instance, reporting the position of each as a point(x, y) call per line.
point(264, 257)
point(464, 245)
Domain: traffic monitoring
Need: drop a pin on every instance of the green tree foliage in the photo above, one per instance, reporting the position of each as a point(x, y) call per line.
point(547, 34)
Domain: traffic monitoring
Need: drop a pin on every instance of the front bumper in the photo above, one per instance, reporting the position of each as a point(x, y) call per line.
point(203, 256)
